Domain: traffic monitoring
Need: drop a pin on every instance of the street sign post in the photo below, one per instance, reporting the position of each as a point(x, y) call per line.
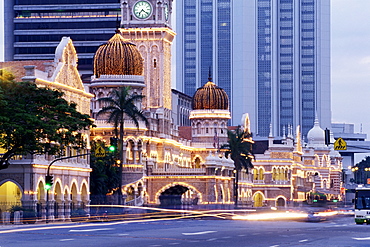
point(340, 144)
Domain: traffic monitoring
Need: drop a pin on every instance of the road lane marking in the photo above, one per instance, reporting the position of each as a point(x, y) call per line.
point(304, 240)
point(173, 243)
point(197, 233)
point(123, 234)
point(368, 238)
point(91, 230)
point(274, 245)
point(241, 235)
point(212, 239)
point(68, 239)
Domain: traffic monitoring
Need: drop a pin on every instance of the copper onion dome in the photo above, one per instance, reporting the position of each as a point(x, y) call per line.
point(118, 57)
point(210, 96)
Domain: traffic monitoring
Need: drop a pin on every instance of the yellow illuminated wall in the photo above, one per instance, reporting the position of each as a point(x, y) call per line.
point(10, 195)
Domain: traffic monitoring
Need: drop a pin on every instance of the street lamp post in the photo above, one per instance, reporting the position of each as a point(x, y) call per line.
point(48, 176)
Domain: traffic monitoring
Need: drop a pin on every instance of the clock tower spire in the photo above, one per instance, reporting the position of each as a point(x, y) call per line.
point(146, 23)
point(146, 13)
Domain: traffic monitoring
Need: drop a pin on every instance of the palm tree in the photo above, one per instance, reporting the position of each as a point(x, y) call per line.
point(120, 106)
point(239, 148)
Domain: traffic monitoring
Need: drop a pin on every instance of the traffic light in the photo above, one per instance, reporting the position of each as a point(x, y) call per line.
point(48, 182)
point(113, 144)
point(327, 137)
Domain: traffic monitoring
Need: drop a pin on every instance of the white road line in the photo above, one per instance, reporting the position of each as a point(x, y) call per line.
point(91, 230)
point(368, 238)
point(173, 243)
point(212, 239)
point(68, 239)
point(123, 234)
point(304, 240)
point(274, 245)
point(197, 233)
point(242, 235)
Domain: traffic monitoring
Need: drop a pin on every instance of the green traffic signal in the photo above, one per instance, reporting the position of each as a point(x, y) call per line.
point(48, 182)
point(112, 148)
point(113, 144)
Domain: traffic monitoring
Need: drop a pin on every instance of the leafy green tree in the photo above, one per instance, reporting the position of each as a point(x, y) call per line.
point(104, 177)
point(362, 171)
point(239, 148)
point(37, 120)
point(121, 106)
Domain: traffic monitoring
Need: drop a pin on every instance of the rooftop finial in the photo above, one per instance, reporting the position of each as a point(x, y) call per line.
point(209, 74)
point(117, 25)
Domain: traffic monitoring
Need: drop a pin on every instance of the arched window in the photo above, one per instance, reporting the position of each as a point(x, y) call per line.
point(197, 162)
point(198, 128)
point(261, 174)
point(255, 174)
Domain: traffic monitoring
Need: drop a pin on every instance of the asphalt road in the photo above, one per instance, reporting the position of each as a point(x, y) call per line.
point(338, 231)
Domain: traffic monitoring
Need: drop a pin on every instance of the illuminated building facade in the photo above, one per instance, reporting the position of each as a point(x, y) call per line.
point(23, 183)
point(162, 160)
point(166, 161)
point(288, 172)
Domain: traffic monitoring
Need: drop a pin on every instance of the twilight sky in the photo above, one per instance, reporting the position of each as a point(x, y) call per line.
point(350, 61)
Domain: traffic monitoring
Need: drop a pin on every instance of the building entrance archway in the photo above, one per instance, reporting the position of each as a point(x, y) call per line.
point(280, 202)
point(172, 196)
point(10, 195)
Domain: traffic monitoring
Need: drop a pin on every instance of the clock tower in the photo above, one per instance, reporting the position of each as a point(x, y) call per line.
point(147, 24)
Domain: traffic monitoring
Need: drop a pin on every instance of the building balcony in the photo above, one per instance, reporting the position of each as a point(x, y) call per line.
point(178, 171)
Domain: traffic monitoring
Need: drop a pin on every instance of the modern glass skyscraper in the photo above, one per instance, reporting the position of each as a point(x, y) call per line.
point(271, 56)
point(204, 34)
point(33, 28)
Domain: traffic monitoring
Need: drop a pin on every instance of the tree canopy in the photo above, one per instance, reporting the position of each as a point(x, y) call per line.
point(239, 148)
point(104, 178)
point(37, 120)
point(121, 105)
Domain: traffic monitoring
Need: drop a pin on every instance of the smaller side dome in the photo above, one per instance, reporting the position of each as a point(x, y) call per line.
point(118, 57)
point(210, 96)
point(316, 135)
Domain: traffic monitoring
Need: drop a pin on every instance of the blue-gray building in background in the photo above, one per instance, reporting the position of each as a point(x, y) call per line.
point(272, 57)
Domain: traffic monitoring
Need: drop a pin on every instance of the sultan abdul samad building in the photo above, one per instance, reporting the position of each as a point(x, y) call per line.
point(165, 160)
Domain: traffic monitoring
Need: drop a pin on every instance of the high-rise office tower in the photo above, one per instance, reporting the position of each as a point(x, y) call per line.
point(33, 28)
point(203, 43)
point(271, 56)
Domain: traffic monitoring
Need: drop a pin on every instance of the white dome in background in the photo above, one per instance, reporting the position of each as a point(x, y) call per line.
point(316, 135)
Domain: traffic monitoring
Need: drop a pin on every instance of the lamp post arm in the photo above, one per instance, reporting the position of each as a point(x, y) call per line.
point(64, 158)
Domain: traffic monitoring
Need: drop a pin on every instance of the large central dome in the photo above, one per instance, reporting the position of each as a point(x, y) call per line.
point(118, 57)
point(210, 96)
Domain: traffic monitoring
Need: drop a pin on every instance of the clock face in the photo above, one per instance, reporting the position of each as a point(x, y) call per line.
point(166, 11)
point(142, 9)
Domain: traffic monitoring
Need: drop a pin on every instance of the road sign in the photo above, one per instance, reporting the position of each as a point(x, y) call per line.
point(99, 152)
point(340, 144)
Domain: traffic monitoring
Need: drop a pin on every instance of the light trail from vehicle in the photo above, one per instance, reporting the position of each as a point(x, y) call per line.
point(176, 215)
point(271, 216)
